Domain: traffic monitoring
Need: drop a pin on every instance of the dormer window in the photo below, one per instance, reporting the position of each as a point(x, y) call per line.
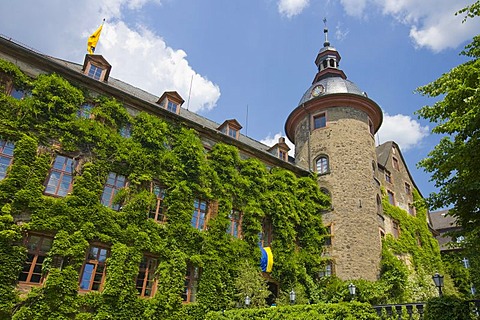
point(280, 149)
point(95, 72)
point(171, 101)
point(96, 67)
point(231, 128)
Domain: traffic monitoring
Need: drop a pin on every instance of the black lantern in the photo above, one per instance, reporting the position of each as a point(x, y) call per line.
point(247, 301)
point(293, 296)
point(438, 279)
point(352, 289)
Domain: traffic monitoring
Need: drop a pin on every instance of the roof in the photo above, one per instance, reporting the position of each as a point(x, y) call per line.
point(331, 85)
point(442, 220)
point(120, 86)
point(383, 154)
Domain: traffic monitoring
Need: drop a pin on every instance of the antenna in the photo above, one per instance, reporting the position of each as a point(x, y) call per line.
point(189, 92)
point(246, 123)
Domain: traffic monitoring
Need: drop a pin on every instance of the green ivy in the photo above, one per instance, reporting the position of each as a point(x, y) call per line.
point(45, 123)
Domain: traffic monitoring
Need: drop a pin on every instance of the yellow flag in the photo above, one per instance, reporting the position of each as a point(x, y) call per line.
point(93, 39)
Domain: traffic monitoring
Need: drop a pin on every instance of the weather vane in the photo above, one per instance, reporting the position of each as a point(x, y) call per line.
point(325, 30)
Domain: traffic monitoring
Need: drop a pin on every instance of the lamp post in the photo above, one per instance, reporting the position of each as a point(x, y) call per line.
point(438, 280)
point(247, 301)
point(352, 289)
point(293, 296)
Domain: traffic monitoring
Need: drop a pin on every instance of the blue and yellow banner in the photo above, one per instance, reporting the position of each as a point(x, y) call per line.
point(266, 262)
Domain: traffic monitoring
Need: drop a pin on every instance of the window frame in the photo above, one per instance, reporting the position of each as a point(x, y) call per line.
point(115, 189)
point(95, 75)
point(149, 281)
point(7, 157)
point(235, 223)
point(322, 124)
point(192, 277)
point(388, 177)
point(395, 163)
point(391, 197)
point(324, 167)
point(172, 106)
point(158, 213)
point(199, 214)
point(266, 235)
point(96, 264)
point(85, 111)
point(38, 254)
point(329, 236)
point(62, 174)
point(408, 188)
point(395, 228)
point(282, 154)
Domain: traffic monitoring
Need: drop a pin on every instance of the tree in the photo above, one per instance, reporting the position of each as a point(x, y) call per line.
point(455, 162)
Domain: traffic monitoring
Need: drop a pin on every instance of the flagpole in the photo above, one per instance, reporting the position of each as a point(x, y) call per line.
point(189, 92)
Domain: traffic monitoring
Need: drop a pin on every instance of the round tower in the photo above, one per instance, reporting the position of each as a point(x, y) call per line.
point(333, 130)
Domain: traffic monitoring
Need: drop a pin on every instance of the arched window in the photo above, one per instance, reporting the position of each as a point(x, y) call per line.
point(322, 165)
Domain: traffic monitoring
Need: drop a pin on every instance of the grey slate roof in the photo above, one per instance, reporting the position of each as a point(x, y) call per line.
point(332, 85)
point(441, 220)
point(146, 96)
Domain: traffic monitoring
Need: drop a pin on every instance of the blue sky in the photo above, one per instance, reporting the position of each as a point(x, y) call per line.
point(259, 54)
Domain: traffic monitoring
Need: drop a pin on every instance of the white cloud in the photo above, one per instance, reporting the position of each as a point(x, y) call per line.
point(144, 59)
point(290, 8)
point(271, 141)
point(432, 23)
point(340, 32)
point(402, 129)
point(138, 55)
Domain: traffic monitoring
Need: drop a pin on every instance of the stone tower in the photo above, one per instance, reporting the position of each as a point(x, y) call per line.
point(333, 130)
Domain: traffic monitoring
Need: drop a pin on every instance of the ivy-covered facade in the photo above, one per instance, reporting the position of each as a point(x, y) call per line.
point(117, 210)
point(117, 204)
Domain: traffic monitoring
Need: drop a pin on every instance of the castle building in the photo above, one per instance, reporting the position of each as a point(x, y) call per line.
point(333, 129)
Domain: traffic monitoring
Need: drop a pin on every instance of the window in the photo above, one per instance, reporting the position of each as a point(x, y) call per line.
point(265, 237)
point(6, 157)
point(93, 270)
point(322, 165)
point(172, 106)
point(146, 276)
point(17, 94)
point(191, 282)
point(319, 121)
point(157, 212)
point(408, 190)
point(199, 216)
point(234, 226)
point(327, 271)
point(95, 72)
point(379, 204)
point(85, 111)
point(328, 236)
point(371, 128)
point(396, 229)
point(411, 209)
point(391, 197)
point(395, 163)
point(37, 249)
point(115, 182)
point(61, 176)
point(283, 155)
point(388, 177)
point(232, 132)
point(126, 131)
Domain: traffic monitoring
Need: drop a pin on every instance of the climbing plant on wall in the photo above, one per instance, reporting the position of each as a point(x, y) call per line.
point(46, 123)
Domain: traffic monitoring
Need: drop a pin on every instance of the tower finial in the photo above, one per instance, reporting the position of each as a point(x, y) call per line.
point(325, 30)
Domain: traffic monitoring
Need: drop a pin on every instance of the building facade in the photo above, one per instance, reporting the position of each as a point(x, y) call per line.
point(333, 129)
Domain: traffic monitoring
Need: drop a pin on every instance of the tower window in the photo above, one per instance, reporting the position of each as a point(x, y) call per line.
point(322, 165)
point(320, 121)
point(332, 63)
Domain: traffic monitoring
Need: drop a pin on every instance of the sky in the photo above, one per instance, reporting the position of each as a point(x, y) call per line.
point(252, 60)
